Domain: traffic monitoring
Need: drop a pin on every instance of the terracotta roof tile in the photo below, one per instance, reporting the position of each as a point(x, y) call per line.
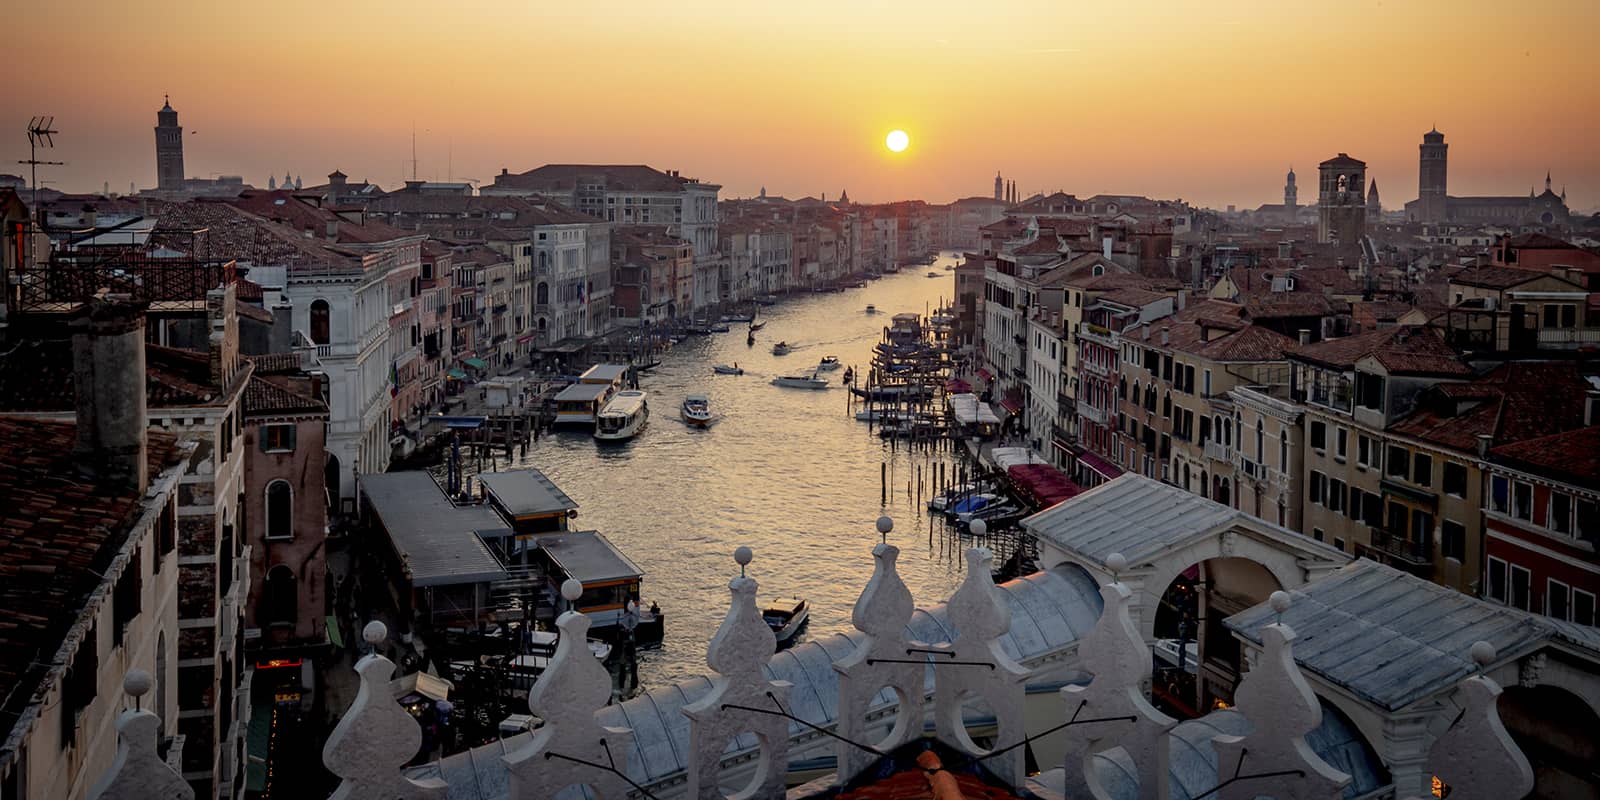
point(1410, 350)
point(1515, 402)
point(280, 394)
point(57, 529)
point(1573, 456)
point(275, 363)
point(1496, 277)
point(37, 376)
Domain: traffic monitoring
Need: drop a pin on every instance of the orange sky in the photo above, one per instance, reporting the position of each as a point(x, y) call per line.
point(1209, 101)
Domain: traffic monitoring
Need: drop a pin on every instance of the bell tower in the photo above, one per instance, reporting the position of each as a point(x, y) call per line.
point(1291, 194)
point(169, 149)
point(1341, 200)
point(1431, 177)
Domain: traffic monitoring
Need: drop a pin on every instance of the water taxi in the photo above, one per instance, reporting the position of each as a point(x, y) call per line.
point(933, 274)
point(623, 417)
point(786, 618)
point(724, 369)
point(800, 381)
point(697, 410)
point(872, 309)
point(781, 349)
point(828, 364)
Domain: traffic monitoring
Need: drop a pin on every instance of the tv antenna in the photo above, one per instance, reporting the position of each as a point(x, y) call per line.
point(40, 133)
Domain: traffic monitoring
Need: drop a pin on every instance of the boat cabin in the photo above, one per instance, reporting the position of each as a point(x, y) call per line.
point(580, 403)
point(605, 374)
point(529, 501)
point(610, 579)
point(905, 328)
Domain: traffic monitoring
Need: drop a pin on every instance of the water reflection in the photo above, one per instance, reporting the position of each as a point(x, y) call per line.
point(787, 471)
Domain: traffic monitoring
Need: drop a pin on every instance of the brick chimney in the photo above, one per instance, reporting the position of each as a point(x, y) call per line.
point(108, 374)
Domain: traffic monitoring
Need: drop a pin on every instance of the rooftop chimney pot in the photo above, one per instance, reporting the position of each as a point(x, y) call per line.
point(108, 375)
point(1305, 336)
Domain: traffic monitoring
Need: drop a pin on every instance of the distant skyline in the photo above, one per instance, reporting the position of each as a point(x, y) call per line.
point(1211, 102)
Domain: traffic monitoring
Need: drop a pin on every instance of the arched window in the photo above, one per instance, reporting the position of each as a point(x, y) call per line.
point(542, 292)
point(319, 322)
point(280, 510)
point(280, 596)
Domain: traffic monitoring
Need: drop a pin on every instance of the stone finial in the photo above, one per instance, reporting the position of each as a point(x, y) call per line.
point(978, 528)
point(738, 653)
point(138, 772)
point(566, 697)
point(880, 659)
point(1282, 709)
point(1476, 757)
point(980, 616)
point(376, 737)
point(1119, 660)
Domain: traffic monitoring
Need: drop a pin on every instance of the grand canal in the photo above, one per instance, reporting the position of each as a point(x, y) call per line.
point(788, 472)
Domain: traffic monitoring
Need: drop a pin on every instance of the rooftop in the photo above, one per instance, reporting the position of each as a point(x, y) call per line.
point(1403, 350)
point(526, 493)
point(436, 539)
point(58, 529)
point(1573, 456)
point(1516, 401)
point(587, 556)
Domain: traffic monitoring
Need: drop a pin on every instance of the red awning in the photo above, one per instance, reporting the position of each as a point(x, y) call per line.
point(1045, 484)
point(524, 339)
point(957, 386)
point(985, 375)
point(1011, 404)
point(1105, 468)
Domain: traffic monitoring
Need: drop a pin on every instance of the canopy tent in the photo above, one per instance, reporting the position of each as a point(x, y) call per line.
point(1007, 457)
point(475, 363)
point(968, 411)
point(1043, 484)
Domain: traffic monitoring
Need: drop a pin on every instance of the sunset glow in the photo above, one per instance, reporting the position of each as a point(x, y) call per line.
point(1154, 96)
point(897, 141)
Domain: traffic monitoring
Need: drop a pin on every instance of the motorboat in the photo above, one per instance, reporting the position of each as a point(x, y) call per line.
point(725, 369)
point(872, 309)
point(828, 364)
point(989, 513)
point(718, 327)
point(786, 618)
point(932, 274)
point(697, 410)
point(781, 349)
point(737, 318)
point(801, 381)
point(949, 268)
point(767, 300)
point(970, 503)
point(623, 417)
point(954, 494)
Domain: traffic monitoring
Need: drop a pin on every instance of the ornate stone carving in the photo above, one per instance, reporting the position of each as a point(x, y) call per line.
point(738, 654)
point(1120, 661)
point(571, 748)
point(881, 614)
point(1282, 709)
point(1476, 756)
point(376, 737)
point(139, 773)
point(980, 617)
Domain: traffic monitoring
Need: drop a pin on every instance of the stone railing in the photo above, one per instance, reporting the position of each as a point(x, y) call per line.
point(1110, 712)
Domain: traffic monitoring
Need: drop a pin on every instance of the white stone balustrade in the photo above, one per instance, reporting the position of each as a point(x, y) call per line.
point(1475, 756)
point(571, 748)
point(139, 773)
point(741, 700)
point(1112, 710)
point(376, 737)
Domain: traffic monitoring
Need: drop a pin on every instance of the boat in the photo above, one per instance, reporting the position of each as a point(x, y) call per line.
point(756, 326)
point(580, 403)
point(781, 349)
point(767, 300)
point(623, 417)
point(697, 410)
point(786, 618)
point(801, 381)
point(737, 318)
point(989, 513)
point(647, 367)
point(849, 374)
point(932, 274)
point(718, 327)
point(724, 369)
point(872, 309)
point(954, 494)
point(970, 503)
point(893, 393)
point(828, 364)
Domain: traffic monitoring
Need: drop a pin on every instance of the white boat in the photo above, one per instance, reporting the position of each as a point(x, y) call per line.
point(786, 618)
point(623, 417)
point(781, 349)
point(738, 318)
point(697, 410)
point(828, 364)
point(724, 369)
point(800, 381)
point(933, 274)
point(718, 327)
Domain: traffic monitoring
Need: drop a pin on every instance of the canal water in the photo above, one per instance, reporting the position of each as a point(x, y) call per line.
point(789, 472)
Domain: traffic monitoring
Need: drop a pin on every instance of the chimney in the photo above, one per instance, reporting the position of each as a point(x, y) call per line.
point(1144, 333)
point(1591, 408)
point(1484, 442)
point(1183, 299)
point(1105, 246)
point(504, 171)
point(1305, 336)
point(1166, 336)
point(333, 230)
point(91, 217)
point(108, 374)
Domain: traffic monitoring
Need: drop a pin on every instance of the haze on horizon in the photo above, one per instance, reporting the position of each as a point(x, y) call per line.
point(1210, 102)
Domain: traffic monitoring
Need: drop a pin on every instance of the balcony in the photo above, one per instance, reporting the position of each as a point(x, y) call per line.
point(1098, 334)
point(1217, 451)
point(1092, 414)
point(1398, 551)
point(1567, 338)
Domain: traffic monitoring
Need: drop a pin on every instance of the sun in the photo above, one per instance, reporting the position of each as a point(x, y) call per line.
point(897, 141)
